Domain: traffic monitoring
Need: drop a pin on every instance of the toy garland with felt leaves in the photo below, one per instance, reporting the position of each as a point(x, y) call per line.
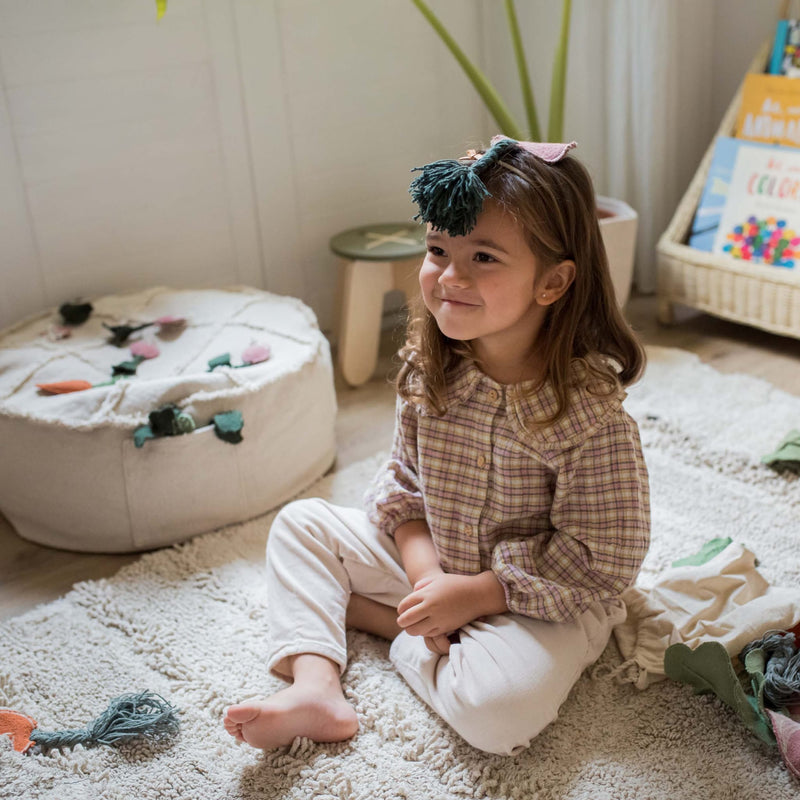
point(129, 716)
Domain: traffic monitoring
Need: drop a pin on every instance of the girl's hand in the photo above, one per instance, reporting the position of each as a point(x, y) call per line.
point(438, 644)
point(439, 605)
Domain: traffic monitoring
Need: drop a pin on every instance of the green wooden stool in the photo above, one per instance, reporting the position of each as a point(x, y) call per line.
point(376, 259)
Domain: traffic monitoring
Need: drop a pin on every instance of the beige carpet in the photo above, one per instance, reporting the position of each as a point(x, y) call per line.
point(188, 622)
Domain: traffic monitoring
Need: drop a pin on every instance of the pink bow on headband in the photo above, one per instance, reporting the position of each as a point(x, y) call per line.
point(547, 151)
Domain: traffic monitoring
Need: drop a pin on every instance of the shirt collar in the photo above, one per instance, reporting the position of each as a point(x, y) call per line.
point(525, 404)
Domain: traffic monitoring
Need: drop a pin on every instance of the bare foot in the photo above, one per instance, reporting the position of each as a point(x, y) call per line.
point(291, 712)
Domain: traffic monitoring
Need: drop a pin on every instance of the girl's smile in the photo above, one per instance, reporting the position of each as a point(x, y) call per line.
point(457, 302)
point(482, 288)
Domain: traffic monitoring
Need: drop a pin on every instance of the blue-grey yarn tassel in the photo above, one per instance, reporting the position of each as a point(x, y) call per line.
point(450, 194)
point(127, 717)
point(782, 668)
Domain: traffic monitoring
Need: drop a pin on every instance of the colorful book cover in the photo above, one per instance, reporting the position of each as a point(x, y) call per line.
point(770, 110)
point(785, 58)
point(715, 193)
point(761, 219)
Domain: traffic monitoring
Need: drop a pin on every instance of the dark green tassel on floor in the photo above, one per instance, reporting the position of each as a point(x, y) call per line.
point(128, 716)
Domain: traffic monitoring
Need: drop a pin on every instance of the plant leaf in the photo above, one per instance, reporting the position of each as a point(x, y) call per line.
point(161, 8)
point(522, 68)
point(555, 122)
point(488, 93)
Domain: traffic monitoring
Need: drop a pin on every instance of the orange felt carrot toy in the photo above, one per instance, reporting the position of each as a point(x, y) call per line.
point(64, 387)
point(18, 727)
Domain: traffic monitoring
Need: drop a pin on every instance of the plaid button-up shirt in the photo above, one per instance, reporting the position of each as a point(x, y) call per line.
point(560, 514)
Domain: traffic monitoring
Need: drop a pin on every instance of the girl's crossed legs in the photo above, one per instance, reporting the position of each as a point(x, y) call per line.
point(327, 566)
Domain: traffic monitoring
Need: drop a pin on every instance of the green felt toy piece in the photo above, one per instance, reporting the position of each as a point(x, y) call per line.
point(228, 426)
point(755, 664)
point(220, 361)
point(127, 367)
point(142, 434)
point(75, 313)
point(708, 668)
point(168, 420)
point(710, 549)
point(163, 421)
point(185, 422)
point(787, 455)
point(121, 333)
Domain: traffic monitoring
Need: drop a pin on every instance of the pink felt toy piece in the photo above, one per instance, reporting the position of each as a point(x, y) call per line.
point(144, 349)
point(551, 152)
point(256, 353)
point(787, 732)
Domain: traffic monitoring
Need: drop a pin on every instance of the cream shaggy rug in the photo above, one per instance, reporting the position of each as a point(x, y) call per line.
point(188, 623)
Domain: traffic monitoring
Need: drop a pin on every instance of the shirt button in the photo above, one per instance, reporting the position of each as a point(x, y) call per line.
point(494, 395)
point(481, 460)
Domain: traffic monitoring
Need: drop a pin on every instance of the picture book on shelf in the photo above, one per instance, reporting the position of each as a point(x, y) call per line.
point(715, 193)
point(785, 59)
point(760, 221)
point(770, 110)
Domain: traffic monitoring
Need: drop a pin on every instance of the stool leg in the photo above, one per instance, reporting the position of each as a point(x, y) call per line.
point(365, 284)
point(406, 276)
point(665, 311)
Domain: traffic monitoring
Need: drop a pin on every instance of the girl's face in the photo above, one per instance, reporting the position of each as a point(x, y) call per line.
point(482, 287)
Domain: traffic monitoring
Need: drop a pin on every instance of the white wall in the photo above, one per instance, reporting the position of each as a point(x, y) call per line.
point(225, 144)
point(122, 167)
point(228, 142)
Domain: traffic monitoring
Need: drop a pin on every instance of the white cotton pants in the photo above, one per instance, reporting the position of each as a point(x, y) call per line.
point(498, 688)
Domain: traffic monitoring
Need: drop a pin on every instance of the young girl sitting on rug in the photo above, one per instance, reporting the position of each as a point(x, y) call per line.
point(514, 508)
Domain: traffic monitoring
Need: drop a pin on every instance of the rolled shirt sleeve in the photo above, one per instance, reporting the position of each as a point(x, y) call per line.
point(395, 496)
point(600, 519)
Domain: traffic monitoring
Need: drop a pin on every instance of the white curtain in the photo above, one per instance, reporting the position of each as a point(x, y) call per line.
point(659, 110)
point(640, 86)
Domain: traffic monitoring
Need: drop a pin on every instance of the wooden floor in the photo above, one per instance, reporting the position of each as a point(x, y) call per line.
point(30, 574)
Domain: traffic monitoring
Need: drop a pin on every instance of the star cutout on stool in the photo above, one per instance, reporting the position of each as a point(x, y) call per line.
point(378, 239)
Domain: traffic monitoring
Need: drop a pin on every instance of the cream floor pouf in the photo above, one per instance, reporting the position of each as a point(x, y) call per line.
point(70, 474)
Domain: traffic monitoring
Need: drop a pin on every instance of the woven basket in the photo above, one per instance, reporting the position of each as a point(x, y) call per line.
point(753, 294)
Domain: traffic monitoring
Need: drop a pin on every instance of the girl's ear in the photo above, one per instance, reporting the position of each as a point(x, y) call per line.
point(557, 280)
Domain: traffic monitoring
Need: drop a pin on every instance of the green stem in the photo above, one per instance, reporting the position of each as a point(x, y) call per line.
point(488, 93)
point(161, 8)
point(522, 68)
point(555, 128)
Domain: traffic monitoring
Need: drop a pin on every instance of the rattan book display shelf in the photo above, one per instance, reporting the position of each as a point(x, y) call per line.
point(762, 296)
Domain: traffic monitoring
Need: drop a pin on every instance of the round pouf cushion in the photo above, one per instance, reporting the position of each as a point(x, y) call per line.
point(73, 476)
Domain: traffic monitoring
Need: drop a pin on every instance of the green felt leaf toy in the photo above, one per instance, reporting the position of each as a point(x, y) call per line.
point(228, 426)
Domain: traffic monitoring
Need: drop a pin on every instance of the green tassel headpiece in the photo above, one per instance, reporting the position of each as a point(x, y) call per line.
point(450, 193)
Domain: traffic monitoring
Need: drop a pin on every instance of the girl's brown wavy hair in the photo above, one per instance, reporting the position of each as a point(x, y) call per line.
point(585, 340)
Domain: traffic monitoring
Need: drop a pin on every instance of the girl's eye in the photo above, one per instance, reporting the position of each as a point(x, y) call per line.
point(484, 258)
point(436, 252)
